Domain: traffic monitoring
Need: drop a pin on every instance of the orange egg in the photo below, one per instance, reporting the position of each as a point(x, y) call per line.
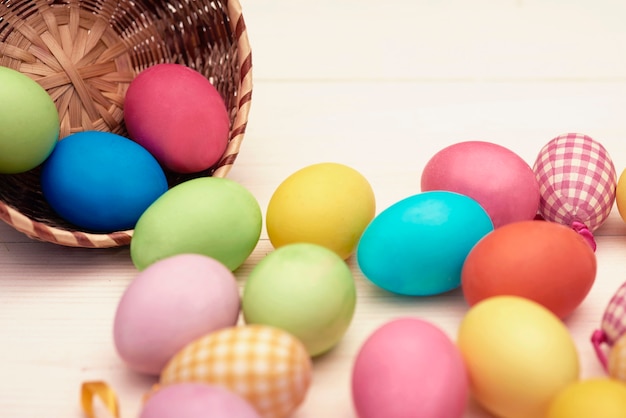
point(542, 261)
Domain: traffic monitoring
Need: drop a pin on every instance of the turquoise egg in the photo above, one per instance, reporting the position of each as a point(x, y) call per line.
point(101, 181)
point(418, 245)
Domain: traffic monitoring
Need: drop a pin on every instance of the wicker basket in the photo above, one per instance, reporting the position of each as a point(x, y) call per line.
point(86, 52)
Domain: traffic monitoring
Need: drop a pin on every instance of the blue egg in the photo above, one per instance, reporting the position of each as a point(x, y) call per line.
point(418, 245)
point(101, 181)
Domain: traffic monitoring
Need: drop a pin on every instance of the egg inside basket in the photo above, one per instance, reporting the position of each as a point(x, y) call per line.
point(85, 53)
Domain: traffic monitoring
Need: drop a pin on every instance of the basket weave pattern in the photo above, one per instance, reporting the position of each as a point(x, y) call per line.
point(85, 53)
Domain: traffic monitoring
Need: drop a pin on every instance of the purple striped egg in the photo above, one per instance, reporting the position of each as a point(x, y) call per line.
point(577, 181)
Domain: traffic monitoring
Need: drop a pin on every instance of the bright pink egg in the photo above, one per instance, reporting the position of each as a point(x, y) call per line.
point(409, 368)
point(196, 400)
point(497, 178)
point(175, 113)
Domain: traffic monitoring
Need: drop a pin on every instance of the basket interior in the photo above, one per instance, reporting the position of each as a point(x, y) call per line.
point(85, 53)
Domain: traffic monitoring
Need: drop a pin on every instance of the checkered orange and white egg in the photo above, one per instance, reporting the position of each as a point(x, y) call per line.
point(577, 181)
point(267, 366)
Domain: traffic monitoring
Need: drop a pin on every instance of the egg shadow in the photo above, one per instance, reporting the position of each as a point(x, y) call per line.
point(369, 290)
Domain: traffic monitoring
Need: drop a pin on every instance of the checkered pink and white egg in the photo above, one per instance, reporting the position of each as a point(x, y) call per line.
point(577, 181)
point(612, 334)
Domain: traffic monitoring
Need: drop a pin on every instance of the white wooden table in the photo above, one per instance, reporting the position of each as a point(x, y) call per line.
point(379, 86)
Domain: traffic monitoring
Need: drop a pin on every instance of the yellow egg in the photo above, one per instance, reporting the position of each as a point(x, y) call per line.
point(328, 204)
point(599, 397)
point(518, 355)
point(267, 366)
point(620, 195)
point(617, 360)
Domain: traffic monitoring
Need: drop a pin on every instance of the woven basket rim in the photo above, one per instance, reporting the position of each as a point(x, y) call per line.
point(43, 232)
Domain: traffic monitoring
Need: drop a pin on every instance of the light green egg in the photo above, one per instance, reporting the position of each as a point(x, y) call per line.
point(213, 216)
point(29, 121)
point(304, 289)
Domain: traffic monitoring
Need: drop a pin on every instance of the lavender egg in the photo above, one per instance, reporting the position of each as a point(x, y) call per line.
point(497, 178)
point(171, 303)
point(577, 181)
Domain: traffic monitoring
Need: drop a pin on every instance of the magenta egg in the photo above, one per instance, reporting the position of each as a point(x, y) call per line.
point(171, 303)
point(175, 113)
point(196, 400)
point(496, 177)
point(577, 181)
point(409, 368)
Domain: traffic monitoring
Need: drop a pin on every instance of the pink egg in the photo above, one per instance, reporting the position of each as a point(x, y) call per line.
point(175, 113)
point(409, 368)
point(196, 400)
point(171, 303)
point(497, 178)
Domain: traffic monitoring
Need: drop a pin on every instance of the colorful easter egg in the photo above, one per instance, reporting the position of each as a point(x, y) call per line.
point(101, 181)
point(613, 325)
point(176, 114)
point(171, 303)
point(196, 400)
point(29, 120)
point(614, 317)
point(328, 204)
point(305, 289)
point(497, 178)
point(267, 366)
point(598, 397)
point(518, 355)
point(577, 182)
point(543, 261)
point(212, 216)
point(418, 245)
point(409, 367)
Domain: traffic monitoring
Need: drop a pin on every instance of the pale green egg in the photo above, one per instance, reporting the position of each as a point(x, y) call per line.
point(213, 216)
point(29, 121)
point(305, 289)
